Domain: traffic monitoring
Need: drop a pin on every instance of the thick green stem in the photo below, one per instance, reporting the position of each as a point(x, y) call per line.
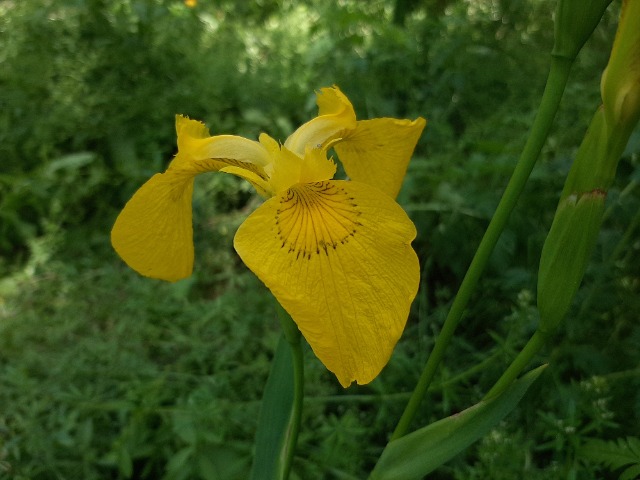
point(296, 413)
point(292, 334)
point(533, 346)
point(556, 82)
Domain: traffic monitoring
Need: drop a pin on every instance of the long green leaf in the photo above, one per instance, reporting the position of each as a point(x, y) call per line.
point(275, 418)
point(421, 452)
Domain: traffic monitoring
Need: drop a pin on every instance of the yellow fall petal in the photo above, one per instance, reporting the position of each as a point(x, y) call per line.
point(337, 255)
point(378, 151)
point(336, 117)
point(153, 234)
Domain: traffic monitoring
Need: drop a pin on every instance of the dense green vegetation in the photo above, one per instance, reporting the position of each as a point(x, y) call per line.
point(104, 374)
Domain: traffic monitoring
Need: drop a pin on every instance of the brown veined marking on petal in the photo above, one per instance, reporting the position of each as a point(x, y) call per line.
point(204, 166)
point(316, 218)
point(215, 164)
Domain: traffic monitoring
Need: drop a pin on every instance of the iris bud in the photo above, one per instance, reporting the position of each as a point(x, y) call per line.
point(575, 227)
point(565, 254)
point(574, 23)
point(620, 85)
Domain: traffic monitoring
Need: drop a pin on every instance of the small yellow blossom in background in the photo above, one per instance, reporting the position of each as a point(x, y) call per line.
point(191, 3)
point(336, 254)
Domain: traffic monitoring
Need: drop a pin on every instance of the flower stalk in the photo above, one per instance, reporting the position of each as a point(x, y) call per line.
point(576, 225)
point(556, 82)
point(574, 24)
point(574, 231)
point(293, 337)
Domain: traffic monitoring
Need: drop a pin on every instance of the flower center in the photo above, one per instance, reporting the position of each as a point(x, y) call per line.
point(316, 218)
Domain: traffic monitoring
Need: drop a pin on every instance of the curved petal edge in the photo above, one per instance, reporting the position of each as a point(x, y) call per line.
point(154, 234)
point(378, 151)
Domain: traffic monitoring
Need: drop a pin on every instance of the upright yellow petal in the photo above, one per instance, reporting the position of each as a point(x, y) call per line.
point(337, 255)
point(288, 169)
point(316, 167)
point(189, 130)
point(336, 118)
point(284, 170)
point(378, 151)
point(198, 152)
point(153, 234)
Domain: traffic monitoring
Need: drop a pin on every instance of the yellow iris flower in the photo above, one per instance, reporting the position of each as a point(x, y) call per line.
point(336, 254)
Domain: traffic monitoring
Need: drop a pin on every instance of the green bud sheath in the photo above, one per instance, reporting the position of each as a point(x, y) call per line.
point(565, 254)
point(620, 85)
point(574, 24)
point(575, 227)
point(594, 167)
point(576, 224)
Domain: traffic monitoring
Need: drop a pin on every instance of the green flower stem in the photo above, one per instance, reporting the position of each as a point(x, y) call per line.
point(404, 396)
point(533, 346)
point(293, 336)
point(556, 82)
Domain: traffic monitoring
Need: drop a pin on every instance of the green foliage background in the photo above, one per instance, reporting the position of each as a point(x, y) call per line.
point(104, 374)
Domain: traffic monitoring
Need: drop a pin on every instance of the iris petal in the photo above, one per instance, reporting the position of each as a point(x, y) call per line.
point(378, 151)
point(259, 183)
point(337, 255)
point(288, 169)
point(336, 117)
point(153, 234)
point(198, 152)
